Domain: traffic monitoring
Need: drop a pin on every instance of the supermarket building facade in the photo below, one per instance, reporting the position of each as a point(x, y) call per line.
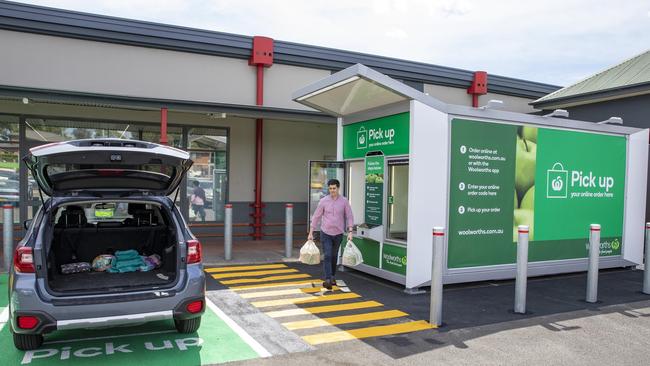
point(226, 98)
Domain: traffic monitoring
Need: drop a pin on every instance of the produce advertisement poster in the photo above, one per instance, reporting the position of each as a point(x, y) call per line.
point(557, 182)
point(374, 189)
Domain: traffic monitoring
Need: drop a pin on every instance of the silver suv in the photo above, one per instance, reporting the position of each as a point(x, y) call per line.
point(108, 247)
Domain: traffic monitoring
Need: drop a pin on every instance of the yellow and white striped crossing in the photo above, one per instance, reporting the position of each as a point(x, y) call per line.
point(345, 319)
point(303, 300)
point(324, 309)
point(253, 273)
point(291, 291)
point(281, 292)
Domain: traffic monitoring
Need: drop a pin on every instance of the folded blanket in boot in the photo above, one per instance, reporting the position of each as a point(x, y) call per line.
point(127, 254)
point(126, 261)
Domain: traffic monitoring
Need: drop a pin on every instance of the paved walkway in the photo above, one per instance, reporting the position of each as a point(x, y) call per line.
point(248, 251)
point(290, 294)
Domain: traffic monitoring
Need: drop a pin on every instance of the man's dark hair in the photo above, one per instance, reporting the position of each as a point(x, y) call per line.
point(334, 182)
point(195, 183)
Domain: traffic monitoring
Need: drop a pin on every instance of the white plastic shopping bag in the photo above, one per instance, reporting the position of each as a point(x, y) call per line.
point(309, 253)
point(351, 255)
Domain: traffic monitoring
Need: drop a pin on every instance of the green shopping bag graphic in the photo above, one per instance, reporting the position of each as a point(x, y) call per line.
point(362, 138)
point(556, 181)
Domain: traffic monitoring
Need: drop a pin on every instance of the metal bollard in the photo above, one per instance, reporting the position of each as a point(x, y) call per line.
point(521, 280)
point(8, 235)
point(646, 262)
point(227, 233)
point(288, 230)
point(592, 271)
point(435, 312)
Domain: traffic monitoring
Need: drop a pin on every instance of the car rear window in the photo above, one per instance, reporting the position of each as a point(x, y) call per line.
point(109, 176)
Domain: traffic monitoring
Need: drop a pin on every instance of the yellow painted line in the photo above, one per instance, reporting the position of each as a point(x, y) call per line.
point(346, 319)
point(264, 279)
point(342, 307)
point(378, 331)
point(304, 300)
point(291, 291)
point(298, 284)
point(324, 309)
point(244, 268)
point(253, 273)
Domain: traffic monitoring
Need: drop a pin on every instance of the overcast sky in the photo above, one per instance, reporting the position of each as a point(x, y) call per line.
point(552, 41)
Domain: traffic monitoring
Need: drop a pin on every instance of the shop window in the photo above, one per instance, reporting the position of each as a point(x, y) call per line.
point(40, 131)
point(320, 172)
point(207, 183)
point(398, 182)
point(9, 164)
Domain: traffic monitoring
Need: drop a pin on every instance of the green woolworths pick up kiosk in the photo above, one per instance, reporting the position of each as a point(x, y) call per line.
point(413, 162)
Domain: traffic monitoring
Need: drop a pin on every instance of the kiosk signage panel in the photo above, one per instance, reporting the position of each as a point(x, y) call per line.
point(555, 181)
point(389, 134)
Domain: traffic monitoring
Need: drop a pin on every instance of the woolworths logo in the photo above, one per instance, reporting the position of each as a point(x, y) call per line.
point(395, 260)
point(607, 247)
point(556, 178)
point(362, 138)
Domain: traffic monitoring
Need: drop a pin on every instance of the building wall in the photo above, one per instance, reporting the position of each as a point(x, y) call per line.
point(96, 67)
point(635, 111)
point(58, 63)
point(448, 94)
point(280, 81)
point(459, 96)
point(288, 146)
point(510, 103)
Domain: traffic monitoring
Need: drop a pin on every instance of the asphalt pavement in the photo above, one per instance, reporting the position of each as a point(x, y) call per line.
point(481, 328)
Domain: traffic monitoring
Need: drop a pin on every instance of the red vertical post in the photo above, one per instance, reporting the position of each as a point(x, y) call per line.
point(260, 85)
point(163, 126)
point(261, 57)
point(478, 86)
point(259, 149)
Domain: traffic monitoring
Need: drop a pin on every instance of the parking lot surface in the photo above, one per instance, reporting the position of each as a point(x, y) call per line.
point(277, 313)
point(155, 343)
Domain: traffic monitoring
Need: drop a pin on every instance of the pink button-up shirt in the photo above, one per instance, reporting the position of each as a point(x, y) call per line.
point(335, 213)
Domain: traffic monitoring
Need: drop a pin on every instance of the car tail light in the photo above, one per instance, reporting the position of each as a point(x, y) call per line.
point(195, 306)
point(27, 322)
point(193, 251)
point(24, 260)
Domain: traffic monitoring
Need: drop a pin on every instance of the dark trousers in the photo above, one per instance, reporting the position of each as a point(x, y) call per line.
point(199, 211)
point(331, 244)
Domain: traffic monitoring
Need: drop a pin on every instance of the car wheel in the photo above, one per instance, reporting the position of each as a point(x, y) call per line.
point(188, 325)
point(26, 342)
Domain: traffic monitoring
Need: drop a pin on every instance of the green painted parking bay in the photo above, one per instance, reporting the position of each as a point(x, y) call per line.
point(155, 343)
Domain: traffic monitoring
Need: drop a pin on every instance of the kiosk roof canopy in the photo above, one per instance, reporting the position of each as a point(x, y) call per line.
point(357, 89)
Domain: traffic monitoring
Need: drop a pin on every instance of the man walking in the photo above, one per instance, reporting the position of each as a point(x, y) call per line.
point(335, 212)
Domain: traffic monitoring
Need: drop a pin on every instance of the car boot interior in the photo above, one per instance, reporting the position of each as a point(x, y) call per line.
point(82, 232)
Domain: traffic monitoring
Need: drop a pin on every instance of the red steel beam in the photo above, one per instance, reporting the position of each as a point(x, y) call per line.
point(163, 126)
point(261, 57)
